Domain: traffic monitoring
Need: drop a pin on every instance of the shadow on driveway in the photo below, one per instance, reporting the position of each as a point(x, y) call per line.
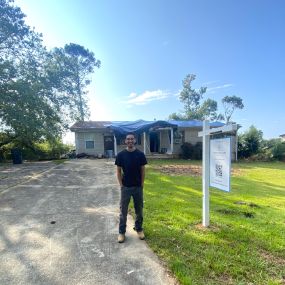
point(59, 225)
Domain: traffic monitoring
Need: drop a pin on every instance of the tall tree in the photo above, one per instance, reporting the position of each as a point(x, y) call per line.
point(191, 97)
point(208, 110)
point(231, 103)
point(39, 89)
point(75, 64)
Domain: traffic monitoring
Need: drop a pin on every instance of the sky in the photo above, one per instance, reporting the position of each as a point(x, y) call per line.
point(148, 47)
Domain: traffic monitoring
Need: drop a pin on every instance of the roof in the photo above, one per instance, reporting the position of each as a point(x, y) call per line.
point(90, 125)
point(139, 126)
point(195, 124)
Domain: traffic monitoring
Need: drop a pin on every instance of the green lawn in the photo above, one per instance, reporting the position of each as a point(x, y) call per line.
point(245, 243)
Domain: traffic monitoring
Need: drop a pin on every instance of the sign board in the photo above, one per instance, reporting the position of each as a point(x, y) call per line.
point(220, 163)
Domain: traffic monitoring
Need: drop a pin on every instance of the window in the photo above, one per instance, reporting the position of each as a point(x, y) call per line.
point(89, 144)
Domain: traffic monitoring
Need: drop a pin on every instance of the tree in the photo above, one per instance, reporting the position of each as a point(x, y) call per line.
point(208, 110)
point(41, 91)
point(176, 116)
point(191, 98)
point(250, 142)
point(74, 64)
point(231, 103)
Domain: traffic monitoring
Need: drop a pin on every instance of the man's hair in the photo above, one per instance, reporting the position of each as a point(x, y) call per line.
point(130, 134)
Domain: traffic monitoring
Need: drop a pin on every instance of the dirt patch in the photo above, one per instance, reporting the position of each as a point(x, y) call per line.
point(189, 170)
point(270, 258)
point(212, 228)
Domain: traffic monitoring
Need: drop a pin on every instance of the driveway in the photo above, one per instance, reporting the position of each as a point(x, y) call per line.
point(59, 225)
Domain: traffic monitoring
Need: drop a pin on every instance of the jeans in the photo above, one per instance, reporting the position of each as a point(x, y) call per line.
point(126, 194)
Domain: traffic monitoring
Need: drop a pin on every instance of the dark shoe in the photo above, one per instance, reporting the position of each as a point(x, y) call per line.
point(141, 235)
point(121, 238)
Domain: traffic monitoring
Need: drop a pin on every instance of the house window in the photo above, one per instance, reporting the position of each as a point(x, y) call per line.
point(89, 144)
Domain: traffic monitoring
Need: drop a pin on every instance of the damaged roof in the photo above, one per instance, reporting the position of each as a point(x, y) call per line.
point(139, 126)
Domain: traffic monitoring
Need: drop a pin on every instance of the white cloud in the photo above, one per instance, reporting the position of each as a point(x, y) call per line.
point(210, 82)
point(146, 97)
point(213, 89)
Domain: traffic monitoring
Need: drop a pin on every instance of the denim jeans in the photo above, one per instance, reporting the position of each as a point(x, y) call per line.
point(126, 194)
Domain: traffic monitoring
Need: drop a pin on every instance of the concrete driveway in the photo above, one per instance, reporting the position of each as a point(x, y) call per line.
point(59, 225)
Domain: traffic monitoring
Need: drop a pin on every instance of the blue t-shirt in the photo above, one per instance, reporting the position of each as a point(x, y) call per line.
point(131, 163)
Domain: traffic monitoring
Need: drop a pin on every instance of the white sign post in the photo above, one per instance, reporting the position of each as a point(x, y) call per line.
point(206, 164)
point(206, 169)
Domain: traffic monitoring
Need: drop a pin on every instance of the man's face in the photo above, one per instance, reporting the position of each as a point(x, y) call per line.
point(130, 141)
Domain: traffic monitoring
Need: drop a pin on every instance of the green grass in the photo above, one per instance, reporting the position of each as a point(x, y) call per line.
point(245, 243)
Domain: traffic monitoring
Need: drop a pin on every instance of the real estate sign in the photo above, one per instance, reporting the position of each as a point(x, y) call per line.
point(220, 163)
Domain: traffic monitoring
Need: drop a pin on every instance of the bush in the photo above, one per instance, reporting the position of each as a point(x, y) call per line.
point(37, 151)
point(250, 142)
point(278, 151)
point(187, 150)
point(192, 152)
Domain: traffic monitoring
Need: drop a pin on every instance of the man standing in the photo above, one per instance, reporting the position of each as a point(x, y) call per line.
point(130, 173)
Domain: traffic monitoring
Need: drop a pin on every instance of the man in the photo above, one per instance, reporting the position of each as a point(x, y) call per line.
point(130, 173)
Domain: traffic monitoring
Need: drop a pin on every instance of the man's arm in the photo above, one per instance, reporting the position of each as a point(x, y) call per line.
point(119, 175)
point(142, 174)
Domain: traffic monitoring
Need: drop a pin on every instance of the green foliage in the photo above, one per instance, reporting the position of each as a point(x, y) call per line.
point(194, 109)
point(231, 103)
point(41, 91)
point(176, 116)
point(72, 66)
point(278, 150)
point(191, 98)
point(190, 151)
point(45, 150)
point(250, 142)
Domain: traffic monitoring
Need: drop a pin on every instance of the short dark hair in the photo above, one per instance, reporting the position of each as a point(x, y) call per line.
point(130, 133)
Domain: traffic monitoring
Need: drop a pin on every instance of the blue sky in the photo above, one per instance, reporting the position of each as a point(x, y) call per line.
point(148, 47)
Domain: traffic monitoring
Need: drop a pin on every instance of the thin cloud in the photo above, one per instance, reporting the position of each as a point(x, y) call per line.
point(210, 82)
point(146, 97)
point(213, 89)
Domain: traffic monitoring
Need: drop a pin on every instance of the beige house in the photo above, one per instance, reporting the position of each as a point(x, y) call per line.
point(153, 137)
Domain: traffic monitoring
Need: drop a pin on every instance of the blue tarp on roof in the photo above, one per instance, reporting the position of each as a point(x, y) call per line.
point(141, 126)
point(195, 124)
point(138, 127)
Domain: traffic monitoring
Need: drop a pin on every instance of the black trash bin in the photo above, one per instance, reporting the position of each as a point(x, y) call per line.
point(16, 156)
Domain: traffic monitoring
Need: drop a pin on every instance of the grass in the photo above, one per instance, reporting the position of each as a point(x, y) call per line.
point(245, 243)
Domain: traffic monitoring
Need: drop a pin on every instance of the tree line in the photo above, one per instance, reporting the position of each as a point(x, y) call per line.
point(41, 91)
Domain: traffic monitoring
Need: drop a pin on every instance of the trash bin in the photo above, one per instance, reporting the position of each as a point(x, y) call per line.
point(109, 153)
point(16, 156)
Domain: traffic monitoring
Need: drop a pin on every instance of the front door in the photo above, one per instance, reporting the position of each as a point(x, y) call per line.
point(108, 143)
point(154, 141)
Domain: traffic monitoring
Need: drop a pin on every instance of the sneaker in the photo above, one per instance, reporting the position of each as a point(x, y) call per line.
point(141, 235)
point(121, 238)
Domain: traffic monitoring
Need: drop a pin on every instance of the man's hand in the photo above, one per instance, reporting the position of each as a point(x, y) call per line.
point(119, 176)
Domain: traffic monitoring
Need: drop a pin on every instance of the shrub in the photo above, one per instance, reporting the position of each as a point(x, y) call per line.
point(187, 150)
point(192, 152)
point(278, 151)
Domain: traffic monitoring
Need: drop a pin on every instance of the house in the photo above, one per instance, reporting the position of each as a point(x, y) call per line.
point(153, 137)
point(282, 137)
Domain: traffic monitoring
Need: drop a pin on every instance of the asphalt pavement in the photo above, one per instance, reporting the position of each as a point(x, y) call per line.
point(59, 225)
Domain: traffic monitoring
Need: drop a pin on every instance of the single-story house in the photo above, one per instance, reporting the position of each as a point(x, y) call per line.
point(153, 137)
